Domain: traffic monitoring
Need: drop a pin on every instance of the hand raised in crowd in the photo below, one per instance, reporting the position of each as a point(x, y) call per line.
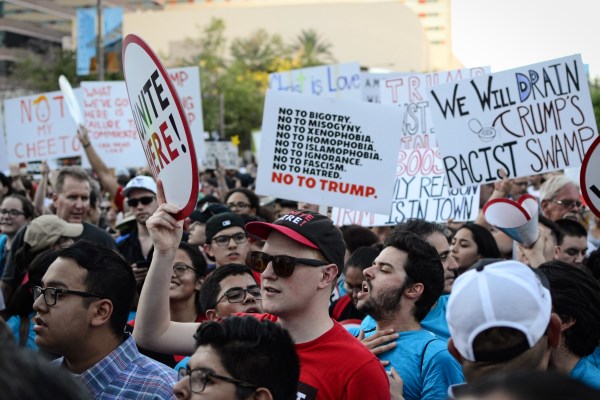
point(379, 342)
point(534, 255)
point(503, 187)
point(164, 229)
point(396, 385)
point(82, 135)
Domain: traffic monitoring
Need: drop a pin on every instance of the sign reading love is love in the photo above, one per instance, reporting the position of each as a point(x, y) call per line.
point(161, 124)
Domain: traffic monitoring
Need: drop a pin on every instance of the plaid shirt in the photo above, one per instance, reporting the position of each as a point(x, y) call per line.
point(127, 374)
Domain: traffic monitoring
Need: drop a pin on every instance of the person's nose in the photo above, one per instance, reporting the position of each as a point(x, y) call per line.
point(451, 263)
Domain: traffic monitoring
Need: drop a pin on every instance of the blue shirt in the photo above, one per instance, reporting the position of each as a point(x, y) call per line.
point(586, 372)
point(434, 321)
point(424, 364)
point(127, 374)
point(14, 324)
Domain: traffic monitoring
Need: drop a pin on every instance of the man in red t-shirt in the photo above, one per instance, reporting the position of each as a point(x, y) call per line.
point(300, 263)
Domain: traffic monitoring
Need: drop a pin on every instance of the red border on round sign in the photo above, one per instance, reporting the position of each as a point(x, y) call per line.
point(191, 204)
point(582, 182)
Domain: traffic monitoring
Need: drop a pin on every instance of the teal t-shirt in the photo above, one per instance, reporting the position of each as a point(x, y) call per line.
point(14, 323)
point(425, 365)
point(585, 371)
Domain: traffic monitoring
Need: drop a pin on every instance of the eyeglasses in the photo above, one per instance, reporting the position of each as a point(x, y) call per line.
point(199, 377)
point(144, 200)
point(12, 212)
point(568, 203)
point(282, 265)
point(223, 240)
point(240, 205)
point(51, 294)
point(180, 269)
point(238, 294)
point(109, 207)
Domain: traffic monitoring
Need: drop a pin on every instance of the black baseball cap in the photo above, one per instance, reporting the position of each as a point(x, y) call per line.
point(208, 211)
point(217, 223)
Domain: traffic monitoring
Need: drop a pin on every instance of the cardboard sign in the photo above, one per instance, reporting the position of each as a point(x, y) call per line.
point(328, 151)
point(409, 92)
point(530, 120)
point(590, 178)
point(420, 191)
point(337, 80)
point(225, 152)
point(39, 127)
point(161, 124)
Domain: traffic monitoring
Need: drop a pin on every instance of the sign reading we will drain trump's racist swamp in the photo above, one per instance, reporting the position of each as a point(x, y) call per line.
point(328, 151)
point(530, 120)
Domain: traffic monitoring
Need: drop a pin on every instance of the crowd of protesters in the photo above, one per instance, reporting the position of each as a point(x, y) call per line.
point(105, 295)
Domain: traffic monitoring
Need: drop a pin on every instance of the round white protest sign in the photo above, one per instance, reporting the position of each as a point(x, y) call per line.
point(589, 179)
point(161, 124)
point(70, 100)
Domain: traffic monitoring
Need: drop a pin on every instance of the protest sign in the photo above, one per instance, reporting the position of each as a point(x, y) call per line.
point(39, 127)
point(370, 85)
point(225, 152)
point(161, 124)
point(3, 149)
point(590, 178)
point(530, 120)
point(336, 80)
point(328, 151)
point(420, 191)
point(409, 92)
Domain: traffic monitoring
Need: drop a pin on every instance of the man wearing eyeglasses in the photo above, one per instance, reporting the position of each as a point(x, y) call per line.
point(81, 312)
point(136, 246)
point(559, 198)
point(226, 239)
point(300, 263)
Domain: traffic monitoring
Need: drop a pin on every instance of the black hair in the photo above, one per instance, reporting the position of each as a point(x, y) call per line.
point(421, 228)
point(212, 285)
point(569, 227)
point(592, 262)
point(483, 238)
point(207, 199)
point(356, 236)
point(6, 182)
point(261, 353)
point(575, 297)
point(26, 375)
point(554, 229)
point(422, 265)
point(28, 209)
point(284, 203)
point(250, 195)
point(199, 265)
point(21, 303)
point(532, 385)
point(108, 276)
point(363, 257)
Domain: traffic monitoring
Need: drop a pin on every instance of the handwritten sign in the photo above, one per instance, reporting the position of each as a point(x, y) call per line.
point(337, 80)
point(530, 120)
point(409, 92)
point(328, 151)
point(39, 127)
point(3, 149)
point(225, 152)
point(589, 178)
point(161, 124)
point(420, 191)
point(371, 83)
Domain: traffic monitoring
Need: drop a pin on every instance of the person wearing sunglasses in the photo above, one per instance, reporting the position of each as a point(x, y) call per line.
point(81, 310)
point(226, 239)
point(299, 265)
point(136, 246)
point(240, 358)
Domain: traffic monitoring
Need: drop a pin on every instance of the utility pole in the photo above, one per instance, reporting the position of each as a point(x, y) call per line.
point(99, 43)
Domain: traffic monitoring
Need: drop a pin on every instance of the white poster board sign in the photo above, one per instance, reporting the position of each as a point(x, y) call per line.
point(530, 120)
point(328, 151)
point(39, 127)
point(226, 152)
point(336, 80)
point(371, 83)
point(409, 92)
point(590, 178)
point(3, 149)
point(420, 191)
point(162, 125)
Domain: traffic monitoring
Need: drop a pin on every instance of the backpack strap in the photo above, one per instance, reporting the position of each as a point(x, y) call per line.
point(423, 354)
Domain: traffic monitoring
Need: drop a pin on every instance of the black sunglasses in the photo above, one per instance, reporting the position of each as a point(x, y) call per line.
point(144, 200)
point(282, 265)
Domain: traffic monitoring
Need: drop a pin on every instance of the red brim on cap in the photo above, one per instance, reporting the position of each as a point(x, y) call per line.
point(262, 230)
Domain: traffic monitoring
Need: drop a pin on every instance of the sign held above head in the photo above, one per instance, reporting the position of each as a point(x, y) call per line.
point(161, 124)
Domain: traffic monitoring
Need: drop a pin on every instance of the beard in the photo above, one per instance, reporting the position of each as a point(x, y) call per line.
point(384, 305)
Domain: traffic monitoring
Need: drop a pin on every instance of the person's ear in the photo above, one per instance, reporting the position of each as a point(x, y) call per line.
point(262, 394)
point(329, 274)
point(54, 199)
point(554, 331)
point(212, 315)
point(101, 312)
point(199, 283)
point(415, 290)
point(208, 250)
point(452, 349)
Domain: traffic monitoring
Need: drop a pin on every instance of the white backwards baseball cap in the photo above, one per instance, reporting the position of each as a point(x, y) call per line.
point(505, 294)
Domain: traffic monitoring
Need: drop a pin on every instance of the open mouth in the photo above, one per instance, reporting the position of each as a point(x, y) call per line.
point(252, 310)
